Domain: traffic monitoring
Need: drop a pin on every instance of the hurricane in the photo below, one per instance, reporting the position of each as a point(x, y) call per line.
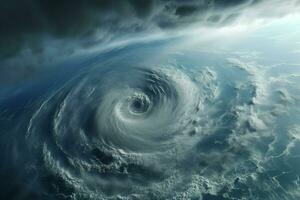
point(119, 130)
point(150, 100)
point(176, 125)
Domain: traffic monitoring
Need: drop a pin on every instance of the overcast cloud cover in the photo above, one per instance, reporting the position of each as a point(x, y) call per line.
point(37, 32)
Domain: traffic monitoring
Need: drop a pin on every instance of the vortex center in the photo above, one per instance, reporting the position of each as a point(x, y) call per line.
point(139, 104)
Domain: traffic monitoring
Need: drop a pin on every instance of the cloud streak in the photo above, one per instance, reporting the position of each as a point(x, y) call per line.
point(30, 28)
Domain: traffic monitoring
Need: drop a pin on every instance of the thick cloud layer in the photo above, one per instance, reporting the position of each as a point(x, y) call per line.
point(27, 26)
point(27, 22)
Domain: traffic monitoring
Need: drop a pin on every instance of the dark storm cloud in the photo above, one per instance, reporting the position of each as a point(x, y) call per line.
point(27, 22)
point(26, 27)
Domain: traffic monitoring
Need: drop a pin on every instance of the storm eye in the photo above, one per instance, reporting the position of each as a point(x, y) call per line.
point(139, 105)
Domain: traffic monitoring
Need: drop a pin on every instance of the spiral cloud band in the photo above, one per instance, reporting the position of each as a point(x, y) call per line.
point(122, 122)
point(134, 124)
point(150, 100)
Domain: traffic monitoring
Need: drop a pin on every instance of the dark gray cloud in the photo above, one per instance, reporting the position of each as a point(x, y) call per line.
point(26, 25)
point(28, 22)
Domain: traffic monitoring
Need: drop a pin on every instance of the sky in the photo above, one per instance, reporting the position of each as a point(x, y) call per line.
point(39, 33)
